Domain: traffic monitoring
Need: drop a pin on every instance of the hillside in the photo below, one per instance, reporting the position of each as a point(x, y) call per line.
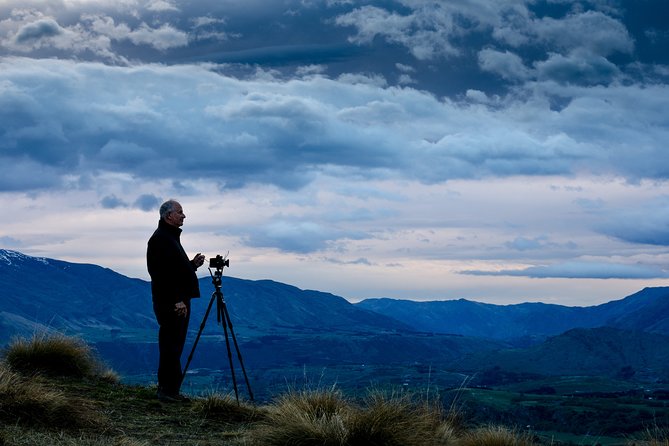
point(69, 297)
point(81, 298)
point(602, 351)
point(647, 310)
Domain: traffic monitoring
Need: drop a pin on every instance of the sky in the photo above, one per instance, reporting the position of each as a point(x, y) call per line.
point(500, 151)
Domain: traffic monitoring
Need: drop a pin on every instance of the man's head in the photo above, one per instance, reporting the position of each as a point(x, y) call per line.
point(172, 213)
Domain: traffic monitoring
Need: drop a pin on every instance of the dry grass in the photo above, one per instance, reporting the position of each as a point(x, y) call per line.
point(57, 393)
point(653, 436)
point(326, 418)
point(395, 420)
point(54, 355)
point(303, 419)
point(28, 401)
point(15, 436)
point(496, 436)
point(225, 409)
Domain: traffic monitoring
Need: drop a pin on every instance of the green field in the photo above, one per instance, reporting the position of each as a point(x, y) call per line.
point(585, 408)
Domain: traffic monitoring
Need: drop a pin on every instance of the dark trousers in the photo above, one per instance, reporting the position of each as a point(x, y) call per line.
point(171, 341)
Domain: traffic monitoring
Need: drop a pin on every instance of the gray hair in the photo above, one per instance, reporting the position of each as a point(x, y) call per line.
point(167, 207)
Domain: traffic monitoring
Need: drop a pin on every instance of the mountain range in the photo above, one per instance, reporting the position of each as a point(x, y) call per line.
point(280, 325)
point(646, 310)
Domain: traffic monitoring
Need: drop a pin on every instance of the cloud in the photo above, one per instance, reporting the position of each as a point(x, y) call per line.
point(428, 29)
point(161, 38)
point(360, 261)
point(112, 202)
point(579, 68)
point(426, 35)
point(147, 202)
point(296, 236)
point(43, 28)
point(155, 121)
point(10, 242)
point(95, 34)
point(19, 173)
point(647, 224)
point(161, 6)
point(594, 31)
point(580, 270)
point(508, 65)
point(537, 243)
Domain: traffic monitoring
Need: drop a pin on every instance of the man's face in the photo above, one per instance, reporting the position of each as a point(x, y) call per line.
point(176, 217)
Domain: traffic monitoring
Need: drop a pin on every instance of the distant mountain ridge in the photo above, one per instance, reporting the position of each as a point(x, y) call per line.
point(646, 310)
point(71, 296)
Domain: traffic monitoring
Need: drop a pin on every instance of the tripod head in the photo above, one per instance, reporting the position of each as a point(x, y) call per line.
point(218, 263)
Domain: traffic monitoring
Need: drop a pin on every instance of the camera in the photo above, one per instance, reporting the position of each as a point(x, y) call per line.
point(219, 262)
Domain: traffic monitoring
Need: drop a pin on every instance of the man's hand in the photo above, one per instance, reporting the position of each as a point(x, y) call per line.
point(181, 309)
point(198, 260)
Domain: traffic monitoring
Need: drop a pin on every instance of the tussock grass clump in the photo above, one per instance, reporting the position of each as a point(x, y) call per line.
point(653, 436)
point(53, 355)
point(304, 418)
point(30, 402)
point(224, 408)
point(397, 420)
point(326, 418)
point(496, 436)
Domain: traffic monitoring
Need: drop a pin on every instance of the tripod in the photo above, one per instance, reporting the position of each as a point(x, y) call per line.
point(223, 317)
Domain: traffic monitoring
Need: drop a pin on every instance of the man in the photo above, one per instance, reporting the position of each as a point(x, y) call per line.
point(173, 285)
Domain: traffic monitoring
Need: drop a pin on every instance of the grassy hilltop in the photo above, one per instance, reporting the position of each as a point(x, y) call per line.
point(53, 391)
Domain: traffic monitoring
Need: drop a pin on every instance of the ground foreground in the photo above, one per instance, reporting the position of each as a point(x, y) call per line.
point(53, 392)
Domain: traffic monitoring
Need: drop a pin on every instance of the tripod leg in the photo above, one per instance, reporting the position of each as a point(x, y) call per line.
point(197, 339)
point(239, 354)
point(221, 315)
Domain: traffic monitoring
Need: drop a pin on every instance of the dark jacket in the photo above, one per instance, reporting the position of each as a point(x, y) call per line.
point(173, 277)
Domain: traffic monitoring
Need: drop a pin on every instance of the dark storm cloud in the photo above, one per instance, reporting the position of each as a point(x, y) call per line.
point(366, 36)
point(37, 30)
point(540, 91)
point(67, 118)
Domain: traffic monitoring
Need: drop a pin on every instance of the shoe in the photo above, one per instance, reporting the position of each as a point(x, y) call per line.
point(171, 397)
point(166, 398)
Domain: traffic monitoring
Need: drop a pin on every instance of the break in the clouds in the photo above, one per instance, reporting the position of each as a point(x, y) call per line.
point(381, 100)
